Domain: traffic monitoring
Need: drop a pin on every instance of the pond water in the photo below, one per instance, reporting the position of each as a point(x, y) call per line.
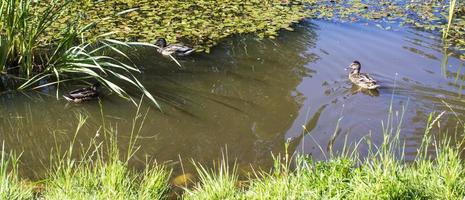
point(250, 96)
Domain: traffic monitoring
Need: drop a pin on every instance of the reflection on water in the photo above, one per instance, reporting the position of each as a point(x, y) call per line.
point(355, 89)
point(251, 96)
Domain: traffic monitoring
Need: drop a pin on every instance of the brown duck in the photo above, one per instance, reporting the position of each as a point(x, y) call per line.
point(361, 79)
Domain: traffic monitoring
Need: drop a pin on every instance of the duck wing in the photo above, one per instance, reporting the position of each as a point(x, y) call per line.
point(365, 81)
point(79, 90)
point(365, 78)
point(82, 93)
point(179, 50)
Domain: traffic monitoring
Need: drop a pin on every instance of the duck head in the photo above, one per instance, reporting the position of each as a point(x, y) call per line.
point(355, 67)
point(95, 86)
point(161, 42)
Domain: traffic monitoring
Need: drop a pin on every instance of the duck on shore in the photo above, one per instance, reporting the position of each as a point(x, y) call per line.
point(361, 79)
point(167, 49)
point(83, 94)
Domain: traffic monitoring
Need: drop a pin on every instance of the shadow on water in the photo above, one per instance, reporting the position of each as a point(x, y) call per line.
point(241, 96)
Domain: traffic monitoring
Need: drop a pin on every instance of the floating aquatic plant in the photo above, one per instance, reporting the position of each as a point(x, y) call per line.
point(204, 23)
point(447, 17)
point(200, 23)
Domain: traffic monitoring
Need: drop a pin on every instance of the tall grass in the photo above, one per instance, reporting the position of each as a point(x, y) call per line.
point(383, 174)
point(35, 63)
point(102, 176)
point(218, 183)
point(102, 171)
point(10, 185)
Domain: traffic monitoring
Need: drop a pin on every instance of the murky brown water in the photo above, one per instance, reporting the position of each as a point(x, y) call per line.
point(251, 96)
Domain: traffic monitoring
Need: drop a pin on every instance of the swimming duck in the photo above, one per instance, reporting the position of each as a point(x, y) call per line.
point(83, 94)
point(172, 49)
point(361, 79)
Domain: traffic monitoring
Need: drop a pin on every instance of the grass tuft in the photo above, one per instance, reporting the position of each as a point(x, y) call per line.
point(10, 185)
point(215, 184)
point(102, 171)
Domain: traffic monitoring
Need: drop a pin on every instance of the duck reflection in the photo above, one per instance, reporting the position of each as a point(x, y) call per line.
point(356, 89)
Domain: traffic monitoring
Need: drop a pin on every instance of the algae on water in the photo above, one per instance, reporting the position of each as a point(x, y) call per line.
point(200, 23)
point(204, 23)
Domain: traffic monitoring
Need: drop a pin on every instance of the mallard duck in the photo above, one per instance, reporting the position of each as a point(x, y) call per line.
point(172, 49)
point(361, 79)
point(83, 94)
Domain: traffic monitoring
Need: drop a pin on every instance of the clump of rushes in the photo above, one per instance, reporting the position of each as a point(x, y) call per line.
point(30, 60)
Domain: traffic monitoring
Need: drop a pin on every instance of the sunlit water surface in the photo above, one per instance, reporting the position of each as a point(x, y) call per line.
point(250, 96)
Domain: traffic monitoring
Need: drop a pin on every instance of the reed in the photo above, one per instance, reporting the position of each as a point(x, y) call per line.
point(21, 25)
point(450, 18)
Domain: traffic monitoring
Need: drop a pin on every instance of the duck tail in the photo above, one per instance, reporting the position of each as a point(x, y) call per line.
point(68, 98)
point(372, 87)
point(188, 52)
